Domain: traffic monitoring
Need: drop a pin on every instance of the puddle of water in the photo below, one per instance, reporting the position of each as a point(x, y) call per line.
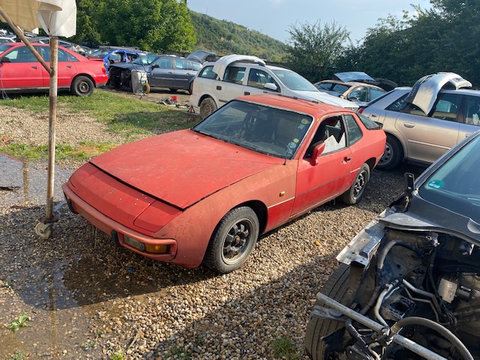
point(27, 182)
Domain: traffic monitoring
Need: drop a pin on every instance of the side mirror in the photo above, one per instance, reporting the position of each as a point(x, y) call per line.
point(155, 66)
point(317, 151)
point(270, 86)
point(5, 60)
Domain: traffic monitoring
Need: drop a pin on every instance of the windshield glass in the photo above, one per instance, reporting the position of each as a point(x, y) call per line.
point(293, 81)
point(145, 60)
point(257, 127)
point(455, 184)
point(4, 47)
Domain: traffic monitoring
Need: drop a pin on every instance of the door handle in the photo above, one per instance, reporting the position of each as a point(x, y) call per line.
point(347, 159)
point(246, 93)
point(69, 66)
point(34, 67)
point(409, 125)
point(219, 87)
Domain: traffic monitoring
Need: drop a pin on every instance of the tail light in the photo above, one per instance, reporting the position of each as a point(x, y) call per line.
point(104, 71)
point(360, 109)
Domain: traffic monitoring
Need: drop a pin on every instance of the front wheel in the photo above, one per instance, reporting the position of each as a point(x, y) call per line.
point(82, 86)
point(233, 240)
point(354, 194)
point(338, 288)
point(392, 155)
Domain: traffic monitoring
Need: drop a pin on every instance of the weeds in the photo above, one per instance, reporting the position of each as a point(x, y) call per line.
point(17, 324)
point(119, 355)
point(284, 348)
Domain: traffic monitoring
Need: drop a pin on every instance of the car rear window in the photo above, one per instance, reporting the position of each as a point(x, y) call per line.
point(207, 72)
point(368, 123)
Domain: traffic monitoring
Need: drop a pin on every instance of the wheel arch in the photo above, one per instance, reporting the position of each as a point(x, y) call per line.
point(86, 75)
point(401, 142)
point(260, 210)
point(205, 96)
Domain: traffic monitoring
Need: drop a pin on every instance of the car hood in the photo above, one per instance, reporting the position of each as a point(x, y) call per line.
point(222, 63)
point(425, 91)
point(182, 167)
point(425, 216)
point(326, 98)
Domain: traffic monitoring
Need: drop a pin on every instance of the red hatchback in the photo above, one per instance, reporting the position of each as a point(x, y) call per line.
point(20, 71)
point(207, 193)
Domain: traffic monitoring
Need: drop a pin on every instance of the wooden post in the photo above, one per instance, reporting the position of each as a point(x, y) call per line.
point(51, 125)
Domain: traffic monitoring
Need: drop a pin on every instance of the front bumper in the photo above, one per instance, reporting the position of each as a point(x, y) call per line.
point(119, 231)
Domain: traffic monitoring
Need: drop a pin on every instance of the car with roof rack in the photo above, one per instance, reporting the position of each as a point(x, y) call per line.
point(232, 76)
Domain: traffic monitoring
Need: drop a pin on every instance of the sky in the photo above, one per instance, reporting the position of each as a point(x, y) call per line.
point(275, 17)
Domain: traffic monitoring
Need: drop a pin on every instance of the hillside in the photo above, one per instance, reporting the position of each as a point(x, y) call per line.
point(225, 37)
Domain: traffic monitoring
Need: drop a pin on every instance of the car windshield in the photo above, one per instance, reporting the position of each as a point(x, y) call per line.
point(4, 47)
point(455, 184)
point(257, 127)
point(293, 81)
point(145, 60)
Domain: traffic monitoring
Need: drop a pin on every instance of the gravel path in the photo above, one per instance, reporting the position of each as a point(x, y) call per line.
point(88, 299)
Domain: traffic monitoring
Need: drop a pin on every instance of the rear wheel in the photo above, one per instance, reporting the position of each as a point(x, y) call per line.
point(355, 193)
point(233, 240)
point(392, 155)
point(82, 86)
point(337, 287)
point(207, 106)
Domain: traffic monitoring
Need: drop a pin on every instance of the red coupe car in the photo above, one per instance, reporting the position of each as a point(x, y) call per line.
point(20, 71)
point(206, 194)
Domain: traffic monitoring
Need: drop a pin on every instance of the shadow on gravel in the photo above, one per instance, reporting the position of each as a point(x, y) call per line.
point(76, 266)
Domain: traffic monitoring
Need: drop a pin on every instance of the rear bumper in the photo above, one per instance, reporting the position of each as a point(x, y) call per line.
point(117, 230)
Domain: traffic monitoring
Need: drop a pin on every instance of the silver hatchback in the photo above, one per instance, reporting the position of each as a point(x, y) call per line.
point(425, 121)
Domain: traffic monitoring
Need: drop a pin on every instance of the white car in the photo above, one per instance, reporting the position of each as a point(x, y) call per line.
point(232, 76)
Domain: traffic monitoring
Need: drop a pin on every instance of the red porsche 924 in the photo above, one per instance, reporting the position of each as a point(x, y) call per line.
point(206, 194)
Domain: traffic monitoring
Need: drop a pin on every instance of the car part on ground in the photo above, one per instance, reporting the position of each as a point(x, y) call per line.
point(408, 284)
point(251, 166)
point(450, 113)
point(232, 76)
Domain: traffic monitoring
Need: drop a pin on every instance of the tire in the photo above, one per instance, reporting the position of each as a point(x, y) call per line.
point(355, 193)
point(233, 240)
point(337, 287)
point(207, 106)
point(82, 86)
point(393, 154)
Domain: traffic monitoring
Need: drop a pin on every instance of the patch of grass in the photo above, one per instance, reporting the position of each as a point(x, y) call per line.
point(17, 324)
point(119, 355)
point(17, 356)
point(179, 353)
point(84, 151)
point(284, 348)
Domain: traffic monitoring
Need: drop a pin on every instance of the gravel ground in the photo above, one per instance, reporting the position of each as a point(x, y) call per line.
point(89, 299)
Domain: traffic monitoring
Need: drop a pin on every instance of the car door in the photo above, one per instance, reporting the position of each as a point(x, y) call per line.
point(429, 137)
point(330, 175)
point(183, 73)
point(162, 72)
point(66, 66)
point(232, 85)
point(256, 81)
point(19, 69)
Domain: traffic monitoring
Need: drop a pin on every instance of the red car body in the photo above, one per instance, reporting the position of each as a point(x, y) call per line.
point(174, 189)
point(20, 70)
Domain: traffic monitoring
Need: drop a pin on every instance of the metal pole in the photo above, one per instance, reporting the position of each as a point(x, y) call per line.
point(51, 125)
point(20, 34)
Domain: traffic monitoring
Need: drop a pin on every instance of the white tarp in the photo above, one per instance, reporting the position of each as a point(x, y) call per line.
point(56, 17)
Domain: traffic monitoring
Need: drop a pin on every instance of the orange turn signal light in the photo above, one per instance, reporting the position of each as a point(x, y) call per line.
point(157, 249)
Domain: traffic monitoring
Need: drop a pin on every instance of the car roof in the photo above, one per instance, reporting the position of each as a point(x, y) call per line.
point(309, 107)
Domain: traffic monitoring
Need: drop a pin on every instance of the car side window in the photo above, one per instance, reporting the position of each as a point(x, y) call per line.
point(340, 88)
point(400, 105)
point(63, 56)
point(359, 94)
point(258, 78)
point(331, 131)
point(353, 130)
point(164, 63)
point(207, 72)
point(234, 74)
point(21, 55)
point(181, 64)
point(196, 66)
point(446, 107)
point(472, 110)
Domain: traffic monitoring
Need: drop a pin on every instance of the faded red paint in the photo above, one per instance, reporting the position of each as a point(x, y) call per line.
point(175, 188)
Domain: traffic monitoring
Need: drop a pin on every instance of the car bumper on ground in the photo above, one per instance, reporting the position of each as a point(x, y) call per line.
point(157, 249)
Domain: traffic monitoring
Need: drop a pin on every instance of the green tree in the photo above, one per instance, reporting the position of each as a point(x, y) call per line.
point(315, 49)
